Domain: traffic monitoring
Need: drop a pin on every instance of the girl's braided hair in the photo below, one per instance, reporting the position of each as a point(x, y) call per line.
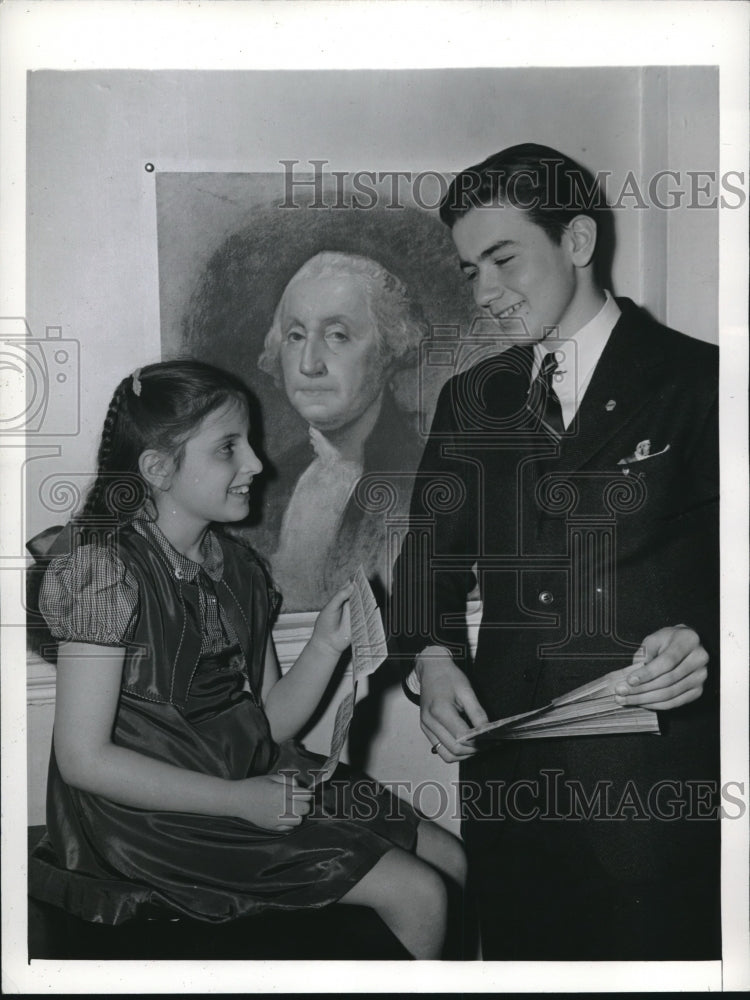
point(159, 407)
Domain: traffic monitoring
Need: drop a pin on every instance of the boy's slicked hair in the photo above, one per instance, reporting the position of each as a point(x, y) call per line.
point(550, 186)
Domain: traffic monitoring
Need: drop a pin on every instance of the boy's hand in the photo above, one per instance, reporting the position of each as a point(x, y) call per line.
point(332, 632)
point(446, 701)
point(671, 673)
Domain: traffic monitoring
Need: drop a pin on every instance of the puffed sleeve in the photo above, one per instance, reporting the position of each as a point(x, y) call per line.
point(89, 596)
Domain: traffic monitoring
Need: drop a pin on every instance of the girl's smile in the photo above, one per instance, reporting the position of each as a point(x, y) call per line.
point(212, 482)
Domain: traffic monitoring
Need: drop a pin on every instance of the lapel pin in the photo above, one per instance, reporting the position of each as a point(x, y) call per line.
point(610, 405)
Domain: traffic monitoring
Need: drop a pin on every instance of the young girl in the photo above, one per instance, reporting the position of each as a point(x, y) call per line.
point(172, 724)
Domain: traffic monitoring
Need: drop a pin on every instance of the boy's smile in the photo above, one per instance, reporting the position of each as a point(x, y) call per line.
point(528, 283)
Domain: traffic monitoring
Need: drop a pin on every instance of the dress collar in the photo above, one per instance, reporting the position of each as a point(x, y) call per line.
point(182, 567)
point(589, 340)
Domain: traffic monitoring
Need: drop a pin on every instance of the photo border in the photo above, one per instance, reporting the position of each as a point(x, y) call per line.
point(322, 34)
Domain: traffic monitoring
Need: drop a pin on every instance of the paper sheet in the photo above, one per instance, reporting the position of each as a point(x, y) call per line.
point(340, 729)
point(369, 648)
point(368, 652)
point(589, 710)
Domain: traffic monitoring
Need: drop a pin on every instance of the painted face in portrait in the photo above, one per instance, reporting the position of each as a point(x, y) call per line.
point(518, 274)
point(331, 361)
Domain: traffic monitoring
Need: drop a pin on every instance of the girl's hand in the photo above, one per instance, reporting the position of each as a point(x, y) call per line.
point(294, 697)
point(332, 630)
point(273, 801)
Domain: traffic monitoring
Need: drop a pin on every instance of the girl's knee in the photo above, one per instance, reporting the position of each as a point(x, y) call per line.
point(426, 890)
point(457, 866)
point(395, 882)
point(442, 850)
point(415, 885)
point(410, 897)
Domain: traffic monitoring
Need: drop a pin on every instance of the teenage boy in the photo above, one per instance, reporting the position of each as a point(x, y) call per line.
point(575, 477)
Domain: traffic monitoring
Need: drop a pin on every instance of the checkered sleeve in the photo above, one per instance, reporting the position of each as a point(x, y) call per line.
point(89, 596)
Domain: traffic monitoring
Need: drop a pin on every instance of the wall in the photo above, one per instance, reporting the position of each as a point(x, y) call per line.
point(92, 242)
point(680, 131)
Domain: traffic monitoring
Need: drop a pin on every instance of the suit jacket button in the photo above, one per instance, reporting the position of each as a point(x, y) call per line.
point(527, 674)
point(545, 597)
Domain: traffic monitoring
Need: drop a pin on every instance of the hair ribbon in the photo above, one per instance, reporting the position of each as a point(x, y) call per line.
point(137, 382)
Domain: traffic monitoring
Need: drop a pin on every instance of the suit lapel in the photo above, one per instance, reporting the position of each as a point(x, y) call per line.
point(502, 384)
point(626, 376)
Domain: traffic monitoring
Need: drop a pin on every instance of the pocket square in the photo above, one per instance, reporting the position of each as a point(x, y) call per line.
point(642, 451)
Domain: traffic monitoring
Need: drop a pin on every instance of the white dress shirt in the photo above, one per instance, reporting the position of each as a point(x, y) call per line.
point(577, 357)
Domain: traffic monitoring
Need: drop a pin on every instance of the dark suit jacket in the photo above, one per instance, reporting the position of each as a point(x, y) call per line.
point(579, 558)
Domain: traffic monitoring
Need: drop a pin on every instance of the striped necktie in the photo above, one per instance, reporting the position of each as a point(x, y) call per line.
point(544, 401)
